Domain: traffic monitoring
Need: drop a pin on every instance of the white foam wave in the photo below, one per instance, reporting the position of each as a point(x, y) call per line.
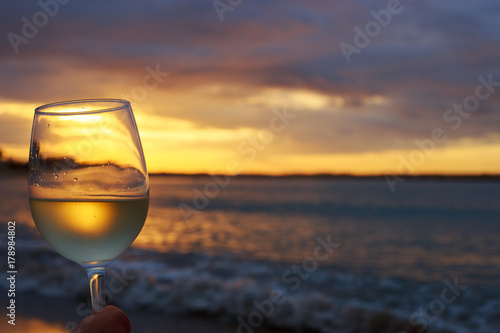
point(245, 291)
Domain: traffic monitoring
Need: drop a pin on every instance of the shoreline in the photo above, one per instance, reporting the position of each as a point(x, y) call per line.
point(22, 170)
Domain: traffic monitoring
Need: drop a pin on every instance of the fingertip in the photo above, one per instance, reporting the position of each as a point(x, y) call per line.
point(116, 319)
point(120, 317)
point(109, 319)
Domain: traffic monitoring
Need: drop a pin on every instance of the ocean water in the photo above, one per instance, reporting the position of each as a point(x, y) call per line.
point(319, 254)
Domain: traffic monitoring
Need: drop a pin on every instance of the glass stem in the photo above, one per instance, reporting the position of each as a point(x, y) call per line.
point(96, 280)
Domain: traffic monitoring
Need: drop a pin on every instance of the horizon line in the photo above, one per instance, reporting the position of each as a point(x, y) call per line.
point(330, 175)
point(15, 166)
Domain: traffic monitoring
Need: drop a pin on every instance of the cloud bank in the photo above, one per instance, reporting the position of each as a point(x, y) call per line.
point(228, 75)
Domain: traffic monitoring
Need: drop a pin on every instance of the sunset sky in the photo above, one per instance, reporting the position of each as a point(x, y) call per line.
point(361, 87)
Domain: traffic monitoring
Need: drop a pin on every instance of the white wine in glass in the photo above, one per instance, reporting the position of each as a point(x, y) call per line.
point(88, 183)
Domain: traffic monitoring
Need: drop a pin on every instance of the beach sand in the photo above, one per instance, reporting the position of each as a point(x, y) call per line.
point(52, 315)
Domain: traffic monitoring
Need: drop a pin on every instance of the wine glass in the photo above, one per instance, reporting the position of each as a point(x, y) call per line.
point(88, 183)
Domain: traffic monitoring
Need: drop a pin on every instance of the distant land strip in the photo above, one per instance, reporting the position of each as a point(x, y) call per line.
point(12, 166)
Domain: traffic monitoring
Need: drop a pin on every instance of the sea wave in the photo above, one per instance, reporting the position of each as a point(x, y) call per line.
point(255, 293)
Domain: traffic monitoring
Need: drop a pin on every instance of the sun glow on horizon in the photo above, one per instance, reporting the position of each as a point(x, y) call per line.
point(176, 145)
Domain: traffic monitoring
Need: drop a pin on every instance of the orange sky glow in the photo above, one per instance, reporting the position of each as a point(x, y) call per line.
point(269, 89)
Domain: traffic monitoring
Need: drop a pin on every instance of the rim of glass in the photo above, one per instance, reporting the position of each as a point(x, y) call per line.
point(46, 108)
